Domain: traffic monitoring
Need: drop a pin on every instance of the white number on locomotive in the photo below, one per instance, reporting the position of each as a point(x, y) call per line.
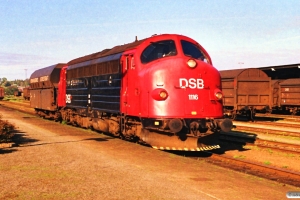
point(193, 96)
point(68, 98)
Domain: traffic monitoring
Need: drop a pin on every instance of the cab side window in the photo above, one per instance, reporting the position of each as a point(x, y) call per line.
point(192, 50)
point(157, 50)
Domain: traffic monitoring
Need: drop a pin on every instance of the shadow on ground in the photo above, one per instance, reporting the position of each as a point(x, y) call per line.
point(18, 138)
point(21, 140)
point(230, 141)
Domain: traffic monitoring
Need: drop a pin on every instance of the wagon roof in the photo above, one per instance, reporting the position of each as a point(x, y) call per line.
point(46, 71)
point(243, 73)
point(106, 52)
point(292, 81)
point(230, 73)
point(277, 80)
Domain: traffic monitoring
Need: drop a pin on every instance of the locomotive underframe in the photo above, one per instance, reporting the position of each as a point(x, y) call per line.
point(154, 132)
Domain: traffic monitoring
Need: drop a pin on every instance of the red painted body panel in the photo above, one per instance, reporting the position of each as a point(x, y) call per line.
point(130, 91)
point(61, 99)
point(183, 102)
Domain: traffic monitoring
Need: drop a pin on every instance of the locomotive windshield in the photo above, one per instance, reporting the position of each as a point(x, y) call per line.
point(191, 50)
point(158, 50)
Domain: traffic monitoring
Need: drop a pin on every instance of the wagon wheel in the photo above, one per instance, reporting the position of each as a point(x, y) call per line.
point(294, 111)
point(269, 111)
point(250, 114)
point(233, 116)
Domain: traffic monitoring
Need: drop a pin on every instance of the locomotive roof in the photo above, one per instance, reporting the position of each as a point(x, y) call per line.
point(46, 71)
point(106, 52)
point(109, 54)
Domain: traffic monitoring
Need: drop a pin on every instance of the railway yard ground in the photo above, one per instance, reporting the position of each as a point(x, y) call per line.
point(49, 160)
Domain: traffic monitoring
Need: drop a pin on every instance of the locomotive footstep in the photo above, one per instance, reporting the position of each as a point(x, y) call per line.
point(166, 142)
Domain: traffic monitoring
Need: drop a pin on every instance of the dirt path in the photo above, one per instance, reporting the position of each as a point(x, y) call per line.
point(54, 161)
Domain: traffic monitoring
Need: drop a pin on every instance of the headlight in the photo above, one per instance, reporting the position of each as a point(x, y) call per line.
point(219, 95)
point(159, 94)
point(192, 63)
point(163, 94)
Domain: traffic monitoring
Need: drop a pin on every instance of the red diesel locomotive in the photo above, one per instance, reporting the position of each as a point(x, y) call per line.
point(162, 91)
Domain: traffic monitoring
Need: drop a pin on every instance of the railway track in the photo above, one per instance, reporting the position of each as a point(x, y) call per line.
point(279, 146)
point(284, 124)
point(250, 140)
point(247, 139)
point(285, 129)
point(246, 166)
point(18, 105)
point(259, 116)
point(249, 165)
point(253, 168)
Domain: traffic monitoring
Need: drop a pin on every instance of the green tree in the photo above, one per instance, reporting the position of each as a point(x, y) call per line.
point(2, 81)
point(7, 84)
point(10, 90)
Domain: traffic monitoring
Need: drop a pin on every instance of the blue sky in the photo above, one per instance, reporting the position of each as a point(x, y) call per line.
point(39, 33)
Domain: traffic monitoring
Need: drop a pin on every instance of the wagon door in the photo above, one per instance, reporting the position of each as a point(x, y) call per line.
point(253, 90)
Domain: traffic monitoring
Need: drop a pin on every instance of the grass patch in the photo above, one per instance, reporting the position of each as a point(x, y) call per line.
point(290, 155)
point(252, 147)
point(267, 162)
point(270, 150)
point(239, 156)
point(293, 138)
point(64, 122)
point(12, 98)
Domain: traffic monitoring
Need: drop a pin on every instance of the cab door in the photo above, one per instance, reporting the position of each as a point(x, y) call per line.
point(130, 92)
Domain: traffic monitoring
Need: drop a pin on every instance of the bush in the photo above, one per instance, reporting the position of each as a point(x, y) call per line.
point(6, 129)
point(11, 89)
